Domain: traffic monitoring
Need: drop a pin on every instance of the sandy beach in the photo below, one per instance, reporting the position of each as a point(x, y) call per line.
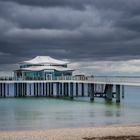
point(129, 132)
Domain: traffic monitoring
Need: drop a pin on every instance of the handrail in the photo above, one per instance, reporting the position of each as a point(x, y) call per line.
point(108, 79)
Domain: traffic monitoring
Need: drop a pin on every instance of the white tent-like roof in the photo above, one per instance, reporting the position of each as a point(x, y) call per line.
point(45, 60)
point(41, 68)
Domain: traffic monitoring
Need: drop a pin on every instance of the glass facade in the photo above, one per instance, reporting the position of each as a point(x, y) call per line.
point(28, 75)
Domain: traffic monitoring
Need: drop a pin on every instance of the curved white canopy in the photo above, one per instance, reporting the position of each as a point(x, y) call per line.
point(45, 60)
point(41, 68)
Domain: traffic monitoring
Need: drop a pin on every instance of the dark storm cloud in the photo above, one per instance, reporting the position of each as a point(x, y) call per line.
point(76, 4)
point(85, 30)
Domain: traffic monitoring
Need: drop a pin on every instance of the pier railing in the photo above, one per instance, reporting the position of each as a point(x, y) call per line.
point(47, 78)
point(6, 78)
point(116, 79)
point(104, 79)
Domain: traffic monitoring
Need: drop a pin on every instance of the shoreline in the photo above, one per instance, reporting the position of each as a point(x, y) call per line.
point(111, 132)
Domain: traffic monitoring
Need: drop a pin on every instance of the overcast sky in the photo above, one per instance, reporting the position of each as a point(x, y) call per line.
point(97, 36)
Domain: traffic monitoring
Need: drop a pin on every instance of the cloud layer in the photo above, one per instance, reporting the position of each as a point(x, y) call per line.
point(83, 31)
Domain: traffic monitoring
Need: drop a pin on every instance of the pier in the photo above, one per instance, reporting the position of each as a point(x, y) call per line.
point(44, 76)
point(108, 88)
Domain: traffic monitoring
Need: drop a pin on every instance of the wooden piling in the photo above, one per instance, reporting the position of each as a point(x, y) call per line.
point(77, 89)
point(46, 90)
point(19, 93)
point(52, 85)
point(61, 89)
point(67, 89)
point(30, 89)
point(23, 88)
point(7, 89)
point(109, 91)
point(4, 94)
point(91, 91)
point(82, 86)
point(64, 89)
point(117, 93)
point(34, 89)
point(71, 90)
point(43, 89)
point(15, 90)
point(57, 89)
point(49, 89)
point(122, 91)
point(0, 89)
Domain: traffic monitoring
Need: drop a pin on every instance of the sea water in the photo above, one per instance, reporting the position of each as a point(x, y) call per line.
point(48, 113)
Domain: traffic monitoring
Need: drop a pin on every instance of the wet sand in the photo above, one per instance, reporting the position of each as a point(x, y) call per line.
point(129, 132)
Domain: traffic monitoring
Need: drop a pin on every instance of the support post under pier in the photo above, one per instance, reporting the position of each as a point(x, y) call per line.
point(71, 90)
point(82, 89)
point(123, 91)
point(57, 89)
point(61, 89)
point(117, 93)
point(77, 90)
point(108, 91)
point(91, 91)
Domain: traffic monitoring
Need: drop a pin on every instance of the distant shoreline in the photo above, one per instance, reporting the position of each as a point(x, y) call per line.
point(112, 132)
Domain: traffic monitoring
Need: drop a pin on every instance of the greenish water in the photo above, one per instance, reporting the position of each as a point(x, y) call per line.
point(45, 113)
